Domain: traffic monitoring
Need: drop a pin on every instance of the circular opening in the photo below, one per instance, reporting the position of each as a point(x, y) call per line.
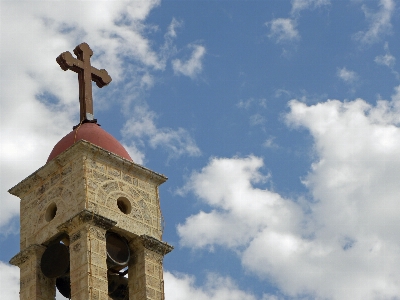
point(124, 205)
point(51, 212)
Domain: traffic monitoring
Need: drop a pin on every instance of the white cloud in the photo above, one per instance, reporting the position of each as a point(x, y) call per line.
point(388, 59)
point(171, 33)
point(283, 30)
point(183, 287)
point(269, 143)
point(226, 185)
point(379, 22)
point(257, 119)
point(299, 5)
point(193, 66)
point(141, 127)
point(169, 49)
point(9, 281)
point(246, 104)
point(136, 155)
point(342, 243)
point(347, 76)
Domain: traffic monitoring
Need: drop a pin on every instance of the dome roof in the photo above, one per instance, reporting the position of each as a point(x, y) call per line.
point(94, 134)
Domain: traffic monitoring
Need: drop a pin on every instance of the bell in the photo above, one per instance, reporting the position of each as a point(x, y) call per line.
point(55, 260)
point(55, 264)
point(118, 287)
point(63, 285)
point(118, 253)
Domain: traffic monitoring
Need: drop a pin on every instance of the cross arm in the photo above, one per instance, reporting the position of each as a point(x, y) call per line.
point(101, 77)
point(68, 62)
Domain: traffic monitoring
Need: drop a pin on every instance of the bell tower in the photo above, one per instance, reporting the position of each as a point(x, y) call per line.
point(91, 224)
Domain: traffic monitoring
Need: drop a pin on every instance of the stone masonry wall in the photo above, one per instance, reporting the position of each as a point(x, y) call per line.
point(81, 194)
point(79, 179)
point(33, 284)
point(146, 273)
point(106, 184)
point(65, 189)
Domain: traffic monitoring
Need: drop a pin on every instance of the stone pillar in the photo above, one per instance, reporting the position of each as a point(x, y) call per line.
point(145, 268)
point(88, 255)
point(33, 284)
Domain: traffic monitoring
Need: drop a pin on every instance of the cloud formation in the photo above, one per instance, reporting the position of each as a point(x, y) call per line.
point(386, 60)
point(141, 128)
point(192, 66)
point(183, 287)
point(269, 143)
point(379, 22)
point(341, 242)
point(347, 76)
point(9, 281)
point(299, 5)
point(283, 30)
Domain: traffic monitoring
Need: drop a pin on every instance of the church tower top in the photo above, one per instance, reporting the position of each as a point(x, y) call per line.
point(88, 129)
point(91, 221)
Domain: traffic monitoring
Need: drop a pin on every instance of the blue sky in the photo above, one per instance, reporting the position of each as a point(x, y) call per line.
point(277, 123)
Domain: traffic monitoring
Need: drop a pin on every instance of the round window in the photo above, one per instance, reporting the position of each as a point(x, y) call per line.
point(124, 205)
point(51, 212)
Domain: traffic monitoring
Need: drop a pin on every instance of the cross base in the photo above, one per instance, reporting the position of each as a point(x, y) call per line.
point(86, 121)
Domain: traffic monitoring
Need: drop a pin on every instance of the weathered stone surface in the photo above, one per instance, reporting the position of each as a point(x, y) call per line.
point(145, 269)
point(79, 196)
point(155, 245)
point(33, 284)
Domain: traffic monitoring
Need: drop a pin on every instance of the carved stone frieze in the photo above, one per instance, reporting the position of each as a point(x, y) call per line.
point(83, 217)
point(26, 254)
point(155, 245)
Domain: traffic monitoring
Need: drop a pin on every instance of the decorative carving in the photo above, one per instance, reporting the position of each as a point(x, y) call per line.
point(155, 245)
point(77, 247)
point(26, 254)
point(86, 216)
point(98, 234)
point(76, 236)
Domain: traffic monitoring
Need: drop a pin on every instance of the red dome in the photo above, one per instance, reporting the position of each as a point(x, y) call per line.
point(94, 134)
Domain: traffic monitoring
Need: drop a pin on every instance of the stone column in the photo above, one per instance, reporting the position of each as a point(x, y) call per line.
point(145, 271)
point(88, 255)
point(33, 284)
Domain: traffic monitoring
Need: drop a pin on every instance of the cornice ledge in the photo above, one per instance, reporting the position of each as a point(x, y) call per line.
point(25, 254)
point(155, 245)
point(86, 216)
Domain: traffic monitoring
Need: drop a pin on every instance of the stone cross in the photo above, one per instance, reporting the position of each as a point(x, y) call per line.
point(86, 73)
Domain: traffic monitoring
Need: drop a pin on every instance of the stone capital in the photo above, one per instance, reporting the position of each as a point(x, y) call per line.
point(154, 245)
point(86, 217)
point(26, 254)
